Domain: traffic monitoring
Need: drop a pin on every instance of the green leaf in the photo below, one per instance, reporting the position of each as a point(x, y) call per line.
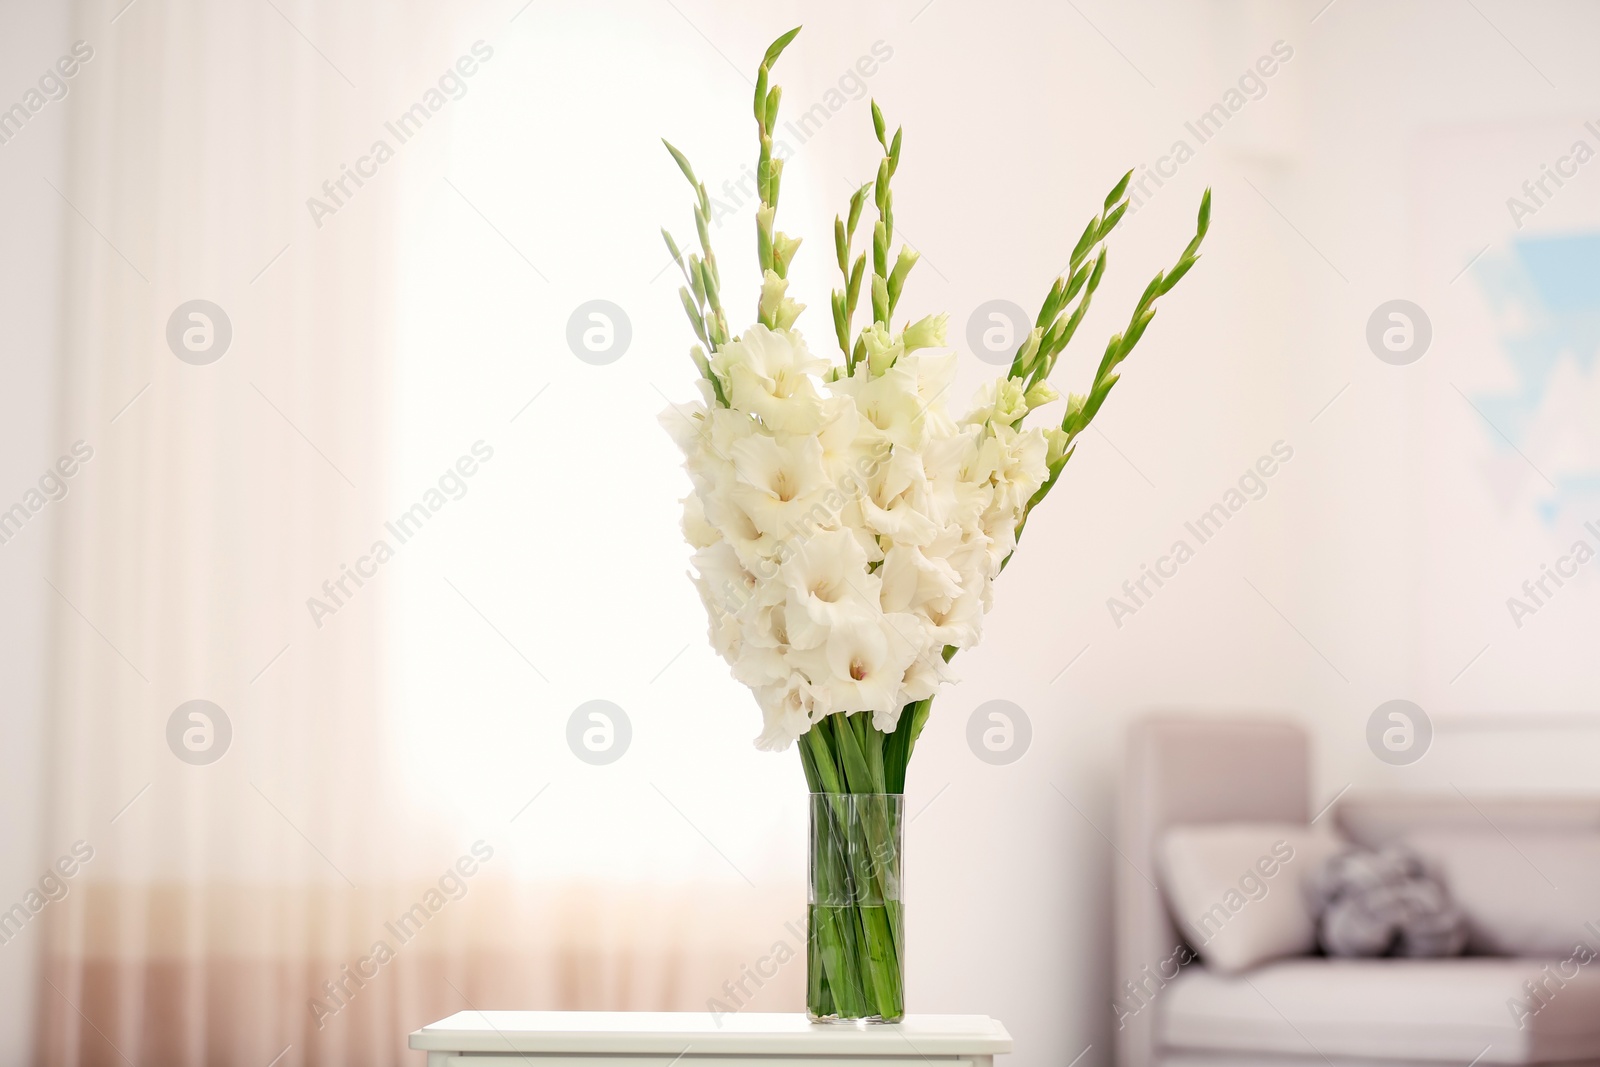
point(1136, 331)
point(1112, 219)
point(772, 106)
point(775, 49)
point(808, 767)
point(1177, 272)
point(1116, 193)
point(774, 177)
point(761, 96)
point(1108, 360)
point(1205, 213)
point(1076, 284)
point(897, 277)
point(1151, 290)
point(1098, 397)
point(857, 775)
point(877, 125)
point(708, 281)
point(1052, 303)
point(872, 739)
point(857, 200)
point(1053, 339)
point(694, 313)
point(697, 280)
point(817, 739)
point(783, 249)
point(1081, 249)
point(683, 163)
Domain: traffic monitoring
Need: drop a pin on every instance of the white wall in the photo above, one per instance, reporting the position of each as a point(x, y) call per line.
point(32, 36)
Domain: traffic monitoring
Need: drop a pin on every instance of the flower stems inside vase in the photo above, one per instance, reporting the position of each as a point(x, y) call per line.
point(854, 921)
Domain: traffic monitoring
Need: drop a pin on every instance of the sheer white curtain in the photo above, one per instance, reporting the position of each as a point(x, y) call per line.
point(386, 719)
point(219, 495)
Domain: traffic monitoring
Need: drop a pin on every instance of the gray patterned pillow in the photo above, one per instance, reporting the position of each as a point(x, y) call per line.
point(1383, 902)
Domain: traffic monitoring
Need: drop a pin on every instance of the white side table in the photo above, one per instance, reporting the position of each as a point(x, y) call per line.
point(694, 1039)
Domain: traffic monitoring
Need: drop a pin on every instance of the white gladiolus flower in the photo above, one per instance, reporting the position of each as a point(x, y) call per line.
point(882, 350)
point(890, 404)
point(847, 533)
point(1040, 394)
point(769, 375)
point(696, 530)
point(999, 403)
point(961, 487)
point(1019, 464)
point(864, 661)
point(839, 434)
point(898, 501)
point(915, 581)
point(775, 304)
point(776, 483)
point(926, 332)
point(935, 374)
point(923, 678)
point(789, 709)
point(824, 582)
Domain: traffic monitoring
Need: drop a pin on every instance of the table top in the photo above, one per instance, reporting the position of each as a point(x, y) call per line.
point(738, 1033)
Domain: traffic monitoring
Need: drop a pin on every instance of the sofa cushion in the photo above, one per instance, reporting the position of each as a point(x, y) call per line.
point(1528, 893)
point(1457, 1011)
point(1234, 889)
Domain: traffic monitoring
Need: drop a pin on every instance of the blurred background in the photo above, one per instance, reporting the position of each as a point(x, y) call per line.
point(276, 272)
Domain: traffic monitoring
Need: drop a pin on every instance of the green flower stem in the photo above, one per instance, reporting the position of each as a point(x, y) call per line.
point(834, 930)
point(832, 956)
point(701, 296)
point(1081, 410)
point(844, 300)
point(773, 249)
point(854, 946)
point(1083, 275)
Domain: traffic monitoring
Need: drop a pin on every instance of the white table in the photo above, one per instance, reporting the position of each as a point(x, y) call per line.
point(694, 1039)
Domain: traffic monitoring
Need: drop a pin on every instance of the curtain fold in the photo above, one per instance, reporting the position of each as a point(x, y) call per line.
point(234, 874)
point(222, 478)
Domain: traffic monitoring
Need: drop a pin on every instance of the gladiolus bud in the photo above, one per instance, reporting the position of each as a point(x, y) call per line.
point(926, 332)
point(1041, 393)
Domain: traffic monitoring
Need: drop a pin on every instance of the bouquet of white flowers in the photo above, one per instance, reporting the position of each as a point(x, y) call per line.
point(847, 529)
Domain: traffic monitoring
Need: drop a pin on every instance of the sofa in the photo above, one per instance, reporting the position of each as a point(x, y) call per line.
point(1172, 1010)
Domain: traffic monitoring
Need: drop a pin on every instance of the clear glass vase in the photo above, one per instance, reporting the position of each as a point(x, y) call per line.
point(855, 943)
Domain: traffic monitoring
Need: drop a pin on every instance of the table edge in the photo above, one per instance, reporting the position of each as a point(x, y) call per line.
point(823, 1040)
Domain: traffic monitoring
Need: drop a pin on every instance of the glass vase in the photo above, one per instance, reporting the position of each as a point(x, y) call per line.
point(855, 944)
